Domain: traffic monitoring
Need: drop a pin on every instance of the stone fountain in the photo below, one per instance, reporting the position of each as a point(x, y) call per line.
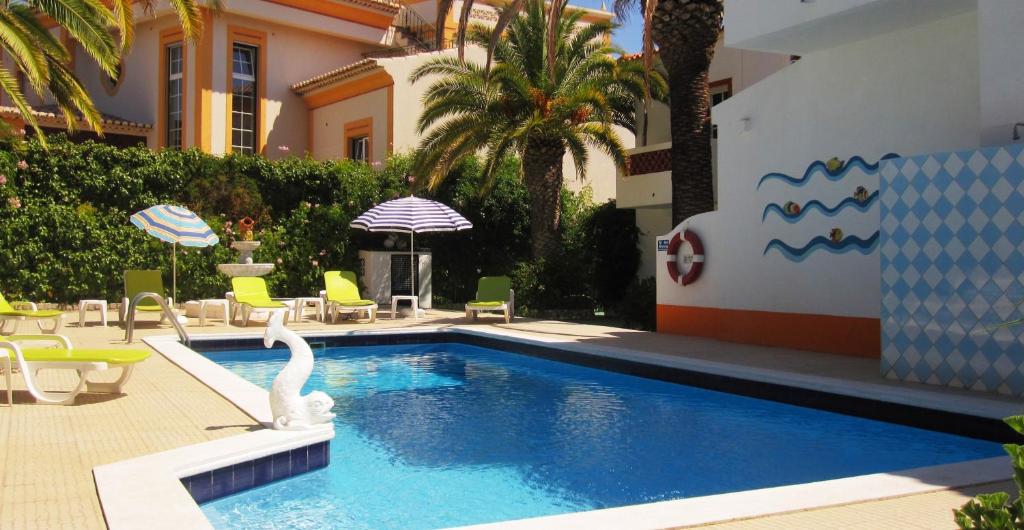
point(245, 246)
point(245, 266)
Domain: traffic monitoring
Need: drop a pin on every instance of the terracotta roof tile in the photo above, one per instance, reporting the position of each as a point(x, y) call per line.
point(351, 70)
point(52, 113)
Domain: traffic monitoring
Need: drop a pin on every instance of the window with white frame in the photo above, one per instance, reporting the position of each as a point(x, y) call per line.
point(175, 94)
point(244, 99)
point(359, 148)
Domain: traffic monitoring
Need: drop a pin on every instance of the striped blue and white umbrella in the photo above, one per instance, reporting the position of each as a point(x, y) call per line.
point(175, 225)
point(411, 215)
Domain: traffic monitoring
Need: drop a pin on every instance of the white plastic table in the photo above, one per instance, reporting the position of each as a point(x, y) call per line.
point(222, 302)
point(84, 305)
point(300, 303)
point(415, 304)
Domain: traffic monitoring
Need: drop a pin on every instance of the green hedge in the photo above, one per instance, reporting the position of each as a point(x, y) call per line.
point(65, 233)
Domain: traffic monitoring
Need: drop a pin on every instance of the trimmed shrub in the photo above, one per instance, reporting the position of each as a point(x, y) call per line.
point(66, 234)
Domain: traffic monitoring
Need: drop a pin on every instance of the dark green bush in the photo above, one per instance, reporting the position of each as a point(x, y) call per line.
point(995, 511)
point(500, 237)
point(637, 308)
point(65, 233)
point(614, 251)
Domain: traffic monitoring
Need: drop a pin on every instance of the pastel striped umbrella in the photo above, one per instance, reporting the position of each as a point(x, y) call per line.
point(175, 225)
point(411, 215)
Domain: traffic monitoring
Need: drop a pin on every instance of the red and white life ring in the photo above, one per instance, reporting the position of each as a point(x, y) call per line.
point(692, 259)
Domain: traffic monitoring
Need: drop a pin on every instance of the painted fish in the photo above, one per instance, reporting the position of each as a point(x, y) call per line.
point(833, 165)
point(791, 208)
point(836, 235)
point(861, 194)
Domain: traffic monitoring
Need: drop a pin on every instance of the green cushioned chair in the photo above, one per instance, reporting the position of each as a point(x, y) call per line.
point(342, 294)
point(61, 355)
point(493, 293)
point(143, 281)
point(16, 312)
point(250, 293)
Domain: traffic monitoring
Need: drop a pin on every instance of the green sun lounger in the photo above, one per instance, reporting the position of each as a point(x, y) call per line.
point(493, 293)
point(251, 294)
point(144, 281)
point(17, 312)
point(61, 355)
point(342, 294)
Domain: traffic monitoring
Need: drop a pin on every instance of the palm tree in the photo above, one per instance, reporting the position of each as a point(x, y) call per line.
point(42, 59)
point(686, 32)
point(529, 106)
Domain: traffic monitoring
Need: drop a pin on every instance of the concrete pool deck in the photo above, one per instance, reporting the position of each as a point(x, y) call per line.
point(50, 451)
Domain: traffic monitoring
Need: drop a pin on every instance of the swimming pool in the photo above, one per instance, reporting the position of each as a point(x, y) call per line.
point(448, 434)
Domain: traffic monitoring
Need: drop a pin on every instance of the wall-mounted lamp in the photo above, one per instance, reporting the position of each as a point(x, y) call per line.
point(1016, 133)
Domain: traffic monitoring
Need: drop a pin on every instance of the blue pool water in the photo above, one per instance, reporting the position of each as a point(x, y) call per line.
point(439, 435)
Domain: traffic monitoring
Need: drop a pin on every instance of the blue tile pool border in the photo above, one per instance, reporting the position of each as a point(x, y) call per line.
point(910, 415)
point(228, 480)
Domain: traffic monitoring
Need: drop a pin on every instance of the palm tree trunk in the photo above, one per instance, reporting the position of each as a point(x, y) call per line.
point(542, 171)
point(686, 32)
point(692, 178)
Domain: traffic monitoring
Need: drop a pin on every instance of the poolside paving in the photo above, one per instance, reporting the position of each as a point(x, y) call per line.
point(49, 451)
point(928, 511)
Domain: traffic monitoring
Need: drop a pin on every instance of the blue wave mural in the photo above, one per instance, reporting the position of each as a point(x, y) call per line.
point(849, 202)
point(846, 244)
point(819, 166)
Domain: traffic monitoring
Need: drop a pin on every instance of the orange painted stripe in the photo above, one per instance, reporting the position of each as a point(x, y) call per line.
point(349, 12)
point(348, 89)
point(203, 139)
point(856, 336)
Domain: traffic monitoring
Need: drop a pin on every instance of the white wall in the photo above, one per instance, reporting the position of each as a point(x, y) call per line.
point(137, 97)
point(749, 19)
point(329, 125)
point(803, 27)
point(744, 67)
point(293, 55)
point(1001, 62)
point(908, 92)
point(288, 61)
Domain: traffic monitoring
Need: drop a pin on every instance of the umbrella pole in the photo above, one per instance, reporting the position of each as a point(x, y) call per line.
point(174, 271)
point(412, 265)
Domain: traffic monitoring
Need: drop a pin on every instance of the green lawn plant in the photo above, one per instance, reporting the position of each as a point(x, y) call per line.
point(995, 511)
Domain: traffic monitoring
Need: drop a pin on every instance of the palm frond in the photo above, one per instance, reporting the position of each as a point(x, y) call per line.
point(9, 84)
point(87, 21)
point(16, 39)
point(71, 97)
point(511, 10)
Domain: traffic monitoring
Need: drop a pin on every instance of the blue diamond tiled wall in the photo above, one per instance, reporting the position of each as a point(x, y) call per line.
point(952, 254)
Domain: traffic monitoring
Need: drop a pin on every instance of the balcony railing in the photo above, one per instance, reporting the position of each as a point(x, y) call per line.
point(644, 162)
point(413, 35)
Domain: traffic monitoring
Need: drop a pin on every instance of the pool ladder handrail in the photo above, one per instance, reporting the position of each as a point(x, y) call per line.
point(168, 312)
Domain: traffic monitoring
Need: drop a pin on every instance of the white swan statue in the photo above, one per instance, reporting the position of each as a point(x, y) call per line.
point(292, 412)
